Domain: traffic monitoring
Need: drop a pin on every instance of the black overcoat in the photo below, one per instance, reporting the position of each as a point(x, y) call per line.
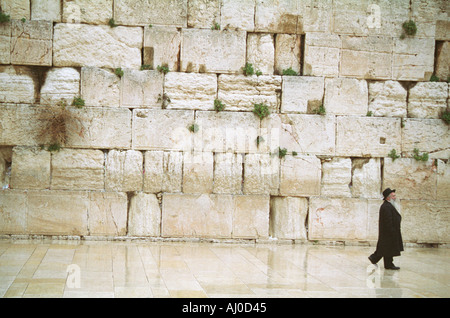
point(390, 241)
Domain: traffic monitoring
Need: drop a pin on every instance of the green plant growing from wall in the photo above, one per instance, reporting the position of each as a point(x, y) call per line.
point(193, 128)
point(259, 140)
point(289, 72)
point(118, 71)
point(282, 152)
point(320, 110)
point(420, 157)
point(4, 17)
point(409, 28)
point(78, 102)
point(218, 105)
point(163, 69)
point(434, 78)
point(145, 67)
point(393, 155)
point(445, 116)
point(215, 26)
point(248, 69)
point(261, 110)
point(112, 23)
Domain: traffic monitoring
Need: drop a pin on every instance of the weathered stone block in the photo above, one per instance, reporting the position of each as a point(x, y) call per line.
point(427, 100)
point(78, 169)
point(300, 176)
point(443, 180)
point(213, 51)
point(346, 96)
point(101, 46)
point(366, 178)
point(227, 173)
point(153, 171)
point(30, 168)
point(288, 217)
point(322, 55)
point(198, 172)
point(17, 85)
point(61, 84)
point(387, 99)
point(107, 213)
point(287, 53)
point(261, 52)
point(261, 174)
point(49, 10)
point(91, 12)
point(147, 124)
point(166, 12)
point(301, 94)
point(373, 216)
point(239, 92)
point(203, 14)
point(5, 43)
point(124, 171)
point(344, 219)
point(16, 9)
point(315, 16)
point(190, 90)
point(251, 216)
point(31, 42)
point(58, 212)
point(142, 89)
point(162, 46)
point(412, 179)
point(13, 207)
point(100, 87)
point(413, 59)
point(367, 136)
point(240, 17)
point(277, 16)
point(425, 221)
point(145, 215)
point(18, 125)
point(429, 135)
point(336, 177)
point(442, 67)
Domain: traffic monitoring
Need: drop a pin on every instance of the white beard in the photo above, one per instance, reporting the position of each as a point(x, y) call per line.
point(395, 204)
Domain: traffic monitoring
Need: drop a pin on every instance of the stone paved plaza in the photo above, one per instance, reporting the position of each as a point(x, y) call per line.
point(64, 268)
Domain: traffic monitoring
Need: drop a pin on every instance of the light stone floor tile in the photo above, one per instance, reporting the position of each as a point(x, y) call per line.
point(72, 269)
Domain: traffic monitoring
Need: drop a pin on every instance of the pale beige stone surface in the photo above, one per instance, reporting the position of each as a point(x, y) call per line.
point(141, 88)
point(91, 12)
point(427, 100)
point(344, 218)
point(61, 86)
point(198, 172)
point(203, 14)
point(17, 85)
point(300, 175)
point(172, 171)
point(322, 54)
point(124, 170)
point(79, 169)
point(101, 46)
point(412, 179)
point(108, 213)
point(30, 168)
point(346, 96)
point(287, 218)
point(366, 178)
point(261, 52)
point(16, 9)
point(240, 17)
point(277, 16)
point(261, 174)
point(387, 99)
point(163, 171)
point(100, 87)
point(46, 10)
point(336, 177)
point(228, 173)
point(251, 216)
point(5, 43)
point(301, 94)
point(153, 171)
point(162, 46)
point(442, 68)
point(13, 207)
point(443, 180)
point(21, 128)
point(144, 216)
point(287, 53)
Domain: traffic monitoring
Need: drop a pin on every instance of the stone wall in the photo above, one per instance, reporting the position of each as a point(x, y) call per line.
point(147, 155)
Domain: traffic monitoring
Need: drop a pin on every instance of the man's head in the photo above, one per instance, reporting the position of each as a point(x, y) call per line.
point(389, 194)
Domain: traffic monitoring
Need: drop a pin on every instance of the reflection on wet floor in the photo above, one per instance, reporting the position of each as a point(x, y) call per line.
point(163, 269)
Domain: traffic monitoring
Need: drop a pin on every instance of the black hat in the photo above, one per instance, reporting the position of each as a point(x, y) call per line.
point(387, 192)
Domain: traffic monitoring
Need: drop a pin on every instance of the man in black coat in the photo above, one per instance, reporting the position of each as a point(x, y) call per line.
point(390, 241)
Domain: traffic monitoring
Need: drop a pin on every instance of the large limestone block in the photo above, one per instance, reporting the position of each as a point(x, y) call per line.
point(30, 168)
point(144, 216)
point(316, 16)
point(239, 92)
point(287, 53)
point(226, 132)
point(300, 175)
point(163, 171)
point(412, 179)
point(61, 85)
point(261, 174)
point(16, 9)
point(304, 134)
point(337, 219)
point(346, 96)
point(413, 59)
point(18, 125)
point(387, 99)
point(145, 12)
point(261, 52)
point(49, 10)
point(425, 221)
point(162, 46)
point(241, 17)
point(198, 172)
point(442, 68)
point(322, 54)
point(443, 180)
point(124, 171)
point(367, 136)
point(108, 213)
point(142, 89)
point(101, 46)
point(251, 216)
point(81, 169)
point(203, 14)
point(153, 171)
point(427, 100)
point(190, 90)
point(228, 173)
point(373, 216)
point(13, 208)
point(91, 12)
point(147, 125)
point(58, 212)
point(288, 217)
point(277, 16)
point(5, 43)
point(17, 85)
point(213, 51)
point(100, 87)
point(97, 127)
point(301, 94)
point(31, 42)
point(336, 177)
point(366, 178)
point(427, 135)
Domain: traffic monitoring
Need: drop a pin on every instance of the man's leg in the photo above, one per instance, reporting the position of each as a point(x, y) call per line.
point(375, 257)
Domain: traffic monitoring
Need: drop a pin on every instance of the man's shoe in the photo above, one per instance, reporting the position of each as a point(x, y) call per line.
point(393, 267)
point(371, 260)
